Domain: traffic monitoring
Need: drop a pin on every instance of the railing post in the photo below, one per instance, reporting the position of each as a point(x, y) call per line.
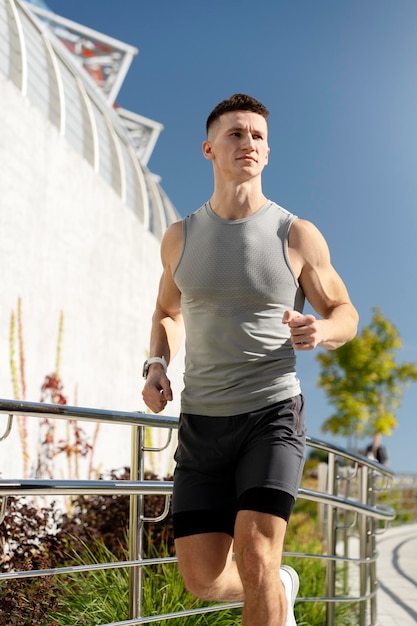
point(373, 582)
point(345, 529)
point(136, 524)
point(363, 544)
point(331, 541)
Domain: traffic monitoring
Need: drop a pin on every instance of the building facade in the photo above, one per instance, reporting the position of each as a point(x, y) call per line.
point(81, 220)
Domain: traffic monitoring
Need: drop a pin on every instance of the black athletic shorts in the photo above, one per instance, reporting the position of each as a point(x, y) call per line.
point(251, 461)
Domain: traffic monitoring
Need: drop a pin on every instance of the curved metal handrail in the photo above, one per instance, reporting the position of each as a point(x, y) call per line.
point(386, 513)
point(342, 464)
point(38, 487)
point(350, 455)
point(138, 418)
point(65, 411)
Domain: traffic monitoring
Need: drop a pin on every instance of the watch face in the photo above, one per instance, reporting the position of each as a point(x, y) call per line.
point(145, 369)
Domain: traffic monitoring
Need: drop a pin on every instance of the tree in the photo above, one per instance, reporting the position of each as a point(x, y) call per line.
point(364, 381)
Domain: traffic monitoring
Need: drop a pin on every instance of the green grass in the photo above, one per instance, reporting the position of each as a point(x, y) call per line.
point(99, 597)
point(92, 598)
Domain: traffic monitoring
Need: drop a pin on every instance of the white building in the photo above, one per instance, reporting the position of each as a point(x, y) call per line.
point(81, 219)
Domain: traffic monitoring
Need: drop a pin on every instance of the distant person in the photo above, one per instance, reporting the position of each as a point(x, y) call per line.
point(236, 273)
point(376, 450)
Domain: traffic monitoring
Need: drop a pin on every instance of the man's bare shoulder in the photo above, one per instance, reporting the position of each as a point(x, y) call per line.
point(305, 236)
point(171, 245)
point(302, 230)
point(307, 246)
point(174, 231)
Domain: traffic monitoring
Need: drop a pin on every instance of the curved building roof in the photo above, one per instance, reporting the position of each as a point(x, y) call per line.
point(73, 74)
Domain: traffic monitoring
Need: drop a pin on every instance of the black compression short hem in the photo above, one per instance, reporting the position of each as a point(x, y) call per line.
point(267, 500)
point(188, 523)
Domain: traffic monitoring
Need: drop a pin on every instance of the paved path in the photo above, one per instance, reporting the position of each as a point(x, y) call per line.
point(397, 576)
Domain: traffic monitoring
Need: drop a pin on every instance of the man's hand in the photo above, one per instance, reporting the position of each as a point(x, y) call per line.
point(304, 329)
point(157, 390)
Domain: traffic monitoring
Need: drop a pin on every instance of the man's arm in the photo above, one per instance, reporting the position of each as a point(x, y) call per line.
point(323, 288)
point(167, 324)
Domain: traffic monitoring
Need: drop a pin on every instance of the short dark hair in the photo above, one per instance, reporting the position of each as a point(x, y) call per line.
point(237, 102)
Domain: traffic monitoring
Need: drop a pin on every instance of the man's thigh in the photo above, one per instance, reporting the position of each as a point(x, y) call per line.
point(204, 556)
point(262, 533)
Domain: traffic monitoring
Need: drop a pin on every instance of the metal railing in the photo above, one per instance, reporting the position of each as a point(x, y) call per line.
point(350, 501)
point(403, 494)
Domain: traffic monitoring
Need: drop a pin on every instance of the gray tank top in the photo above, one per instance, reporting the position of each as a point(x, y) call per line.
point(236, 281)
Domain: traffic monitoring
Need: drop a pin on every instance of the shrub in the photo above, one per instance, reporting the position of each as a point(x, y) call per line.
point(28, 542)
point(34, 538)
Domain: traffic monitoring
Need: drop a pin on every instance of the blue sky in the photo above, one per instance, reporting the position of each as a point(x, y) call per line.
point(340, 81)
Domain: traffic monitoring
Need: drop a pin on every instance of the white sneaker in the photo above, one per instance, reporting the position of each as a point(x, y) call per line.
point(291, 582)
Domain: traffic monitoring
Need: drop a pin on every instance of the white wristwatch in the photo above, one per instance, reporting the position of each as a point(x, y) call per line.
point(154, 359)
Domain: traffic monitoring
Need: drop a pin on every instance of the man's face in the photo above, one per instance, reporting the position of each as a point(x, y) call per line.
point(238, 145)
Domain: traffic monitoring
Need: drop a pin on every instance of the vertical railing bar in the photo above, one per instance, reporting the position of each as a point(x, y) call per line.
point(346, 513)
point(136, 524)
point(373, 554)
point(331, 541)
point(363, 545)
point(141, 516)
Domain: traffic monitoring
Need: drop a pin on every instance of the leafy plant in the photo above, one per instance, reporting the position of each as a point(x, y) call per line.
point(364, 382)
point(17, 368)
point(74, 444)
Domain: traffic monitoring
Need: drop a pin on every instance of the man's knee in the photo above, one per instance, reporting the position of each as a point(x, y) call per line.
point(258, 546)
point(200, 586)
point(204, 560)
point(255, 565)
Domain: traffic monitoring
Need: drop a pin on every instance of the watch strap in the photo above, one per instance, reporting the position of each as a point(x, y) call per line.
point(154, 359)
